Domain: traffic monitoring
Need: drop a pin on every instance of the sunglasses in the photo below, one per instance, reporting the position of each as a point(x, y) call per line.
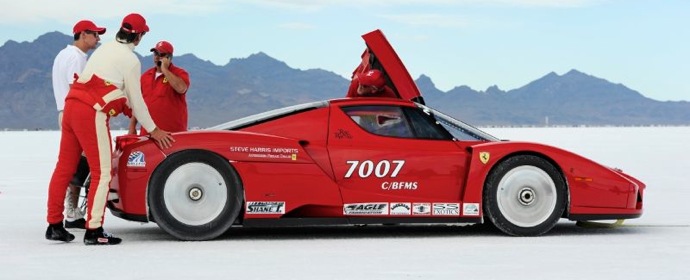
point(160, 54)
point(94, 33)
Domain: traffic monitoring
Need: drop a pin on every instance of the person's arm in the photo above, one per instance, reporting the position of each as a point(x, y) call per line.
point(352, 89)
point(74, 66)
point(132, 88)
point(139, 110)
point(176, 82)
point(132, 126)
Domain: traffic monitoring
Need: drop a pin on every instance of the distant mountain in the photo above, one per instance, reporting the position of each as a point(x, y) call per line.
point(574, 98)
point(245, 86)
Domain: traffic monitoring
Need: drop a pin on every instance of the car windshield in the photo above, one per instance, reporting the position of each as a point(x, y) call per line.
point(461, 131)
point(261, 117)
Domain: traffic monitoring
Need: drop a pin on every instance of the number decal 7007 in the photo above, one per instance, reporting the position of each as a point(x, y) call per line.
point(381, 170)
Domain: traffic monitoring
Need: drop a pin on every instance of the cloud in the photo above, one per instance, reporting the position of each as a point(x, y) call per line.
point(432, 20)
point(316, 5)
point(35, 11)
point(543, 3)
point(296, 26)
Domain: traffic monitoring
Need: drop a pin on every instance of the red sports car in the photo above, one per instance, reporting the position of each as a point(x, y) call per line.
point(361, 161)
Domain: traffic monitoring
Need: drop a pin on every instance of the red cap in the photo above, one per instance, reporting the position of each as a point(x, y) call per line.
point(163, 47)
point(136, 22)
point(87, 25)
point(372, 77)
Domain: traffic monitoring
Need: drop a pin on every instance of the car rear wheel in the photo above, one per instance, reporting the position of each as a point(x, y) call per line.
point(195, 195)
point(524, 196)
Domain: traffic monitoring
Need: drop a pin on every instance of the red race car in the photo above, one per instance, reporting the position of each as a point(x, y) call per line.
point(360, 161)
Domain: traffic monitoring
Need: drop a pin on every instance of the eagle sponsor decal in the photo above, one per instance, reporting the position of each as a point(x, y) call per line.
point(371, 208)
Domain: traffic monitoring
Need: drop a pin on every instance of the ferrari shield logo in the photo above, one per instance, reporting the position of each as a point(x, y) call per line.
point(484, 157)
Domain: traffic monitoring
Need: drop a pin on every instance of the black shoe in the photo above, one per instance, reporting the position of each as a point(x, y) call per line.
point(58, 233)
point(100, 237)
point(78, 223)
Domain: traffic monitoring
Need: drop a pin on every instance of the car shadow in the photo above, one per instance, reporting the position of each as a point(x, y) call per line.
point(406, 231)
point(151, 232)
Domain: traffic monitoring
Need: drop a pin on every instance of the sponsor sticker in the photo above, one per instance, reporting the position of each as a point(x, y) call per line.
point(136, 159)
point(400, 208)
point(446, 209)
point(470, 209)
point(265, 207)
point(371, 208)
point(411, 186)
point(422, 208)
point(267, 152)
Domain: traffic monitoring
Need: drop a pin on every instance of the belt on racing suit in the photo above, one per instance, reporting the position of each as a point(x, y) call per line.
point(102, 95)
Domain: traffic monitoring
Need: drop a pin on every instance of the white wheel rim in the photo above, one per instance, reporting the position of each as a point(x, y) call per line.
point(526, 196)
point(195, 194)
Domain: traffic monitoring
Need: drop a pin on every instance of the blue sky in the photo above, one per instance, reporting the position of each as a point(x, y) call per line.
point(644, 45)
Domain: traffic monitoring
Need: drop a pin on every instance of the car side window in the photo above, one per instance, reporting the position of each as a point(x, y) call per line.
point(425, 126)
point(381, 120)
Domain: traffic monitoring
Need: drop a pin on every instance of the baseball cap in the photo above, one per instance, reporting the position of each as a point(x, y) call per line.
point(87, 25)
point(136, 22)
point(372, 77)
point(163, 47)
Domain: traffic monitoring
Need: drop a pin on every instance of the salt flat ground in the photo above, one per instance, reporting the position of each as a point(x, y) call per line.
point(655, 246)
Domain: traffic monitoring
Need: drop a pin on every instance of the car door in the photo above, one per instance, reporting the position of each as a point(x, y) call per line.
point(380, 55)
point(394, 160)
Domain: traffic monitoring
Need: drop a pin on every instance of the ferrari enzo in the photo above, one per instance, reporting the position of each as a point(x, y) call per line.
point(360, 161)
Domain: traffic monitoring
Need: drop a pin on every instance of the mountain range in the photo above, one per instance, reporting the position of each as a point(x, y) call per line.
point(246, 86)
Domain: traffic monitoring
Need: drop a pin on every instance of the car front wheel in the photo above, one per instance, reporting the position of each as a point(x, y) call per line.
point(524, 196)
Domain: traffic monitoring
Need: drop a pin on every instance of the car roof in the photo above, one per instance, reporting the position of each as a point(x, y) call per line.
point(268, 115)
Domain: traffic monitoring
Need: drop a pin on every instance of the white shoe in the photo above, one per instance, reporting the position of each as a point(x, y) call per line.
point(73, 214)
point(72, 210)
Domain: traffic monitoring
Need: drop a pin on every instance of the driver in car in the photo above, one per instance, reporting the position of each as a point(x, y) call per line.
point(370, 84)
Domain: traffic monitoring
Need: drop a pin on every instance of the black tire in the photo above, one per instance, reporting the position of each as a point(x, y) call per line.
point(195, 195)
point(524, 195)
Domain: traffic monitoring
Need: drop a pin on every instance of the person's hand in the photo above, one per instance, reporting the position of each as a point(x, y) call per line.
point(165, 62)
point(162, 137)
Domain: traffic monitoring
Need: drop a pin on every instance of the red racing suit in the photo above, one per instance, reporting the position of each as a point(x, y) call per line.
point(108, 86)
point(85, 126)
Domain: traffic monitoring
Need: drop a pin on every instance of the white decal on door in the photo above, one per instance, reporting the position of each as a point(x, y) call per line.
point(381, 169)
